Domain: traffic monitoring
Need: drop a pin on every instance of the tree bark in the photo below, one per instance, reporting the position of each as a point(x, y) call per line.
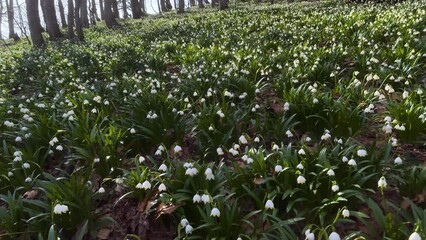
point(62, 14)
point(11, 19)
point(34, 23)
point(192, 3)
point(52, 25)
point(142, 7)
point(109, 16)
point(223, 4)
point(115, 9)
point(84, 14)
point(163, 6)
point(215, 3)
point(94, 10)
point(102, 9)
point(136, 9)
point(1, 18)
point(125, 14)
point(181, 8)
point(168, 5)
point(78, 19)
point(200, 4)
point(43, 11)
point(70, 32)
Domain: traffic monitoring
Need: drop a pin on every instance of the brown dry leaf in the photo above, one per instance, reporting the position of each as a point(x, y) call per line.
point(104, 233)
point(258, 180)
point(277, 107)
point(405, 204)
point(30, 194)
point(166, 209)
point(420, 198)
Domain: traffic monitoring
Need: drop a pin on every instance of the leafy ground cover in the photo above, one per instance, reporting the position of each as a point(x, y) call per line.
point(295, 121)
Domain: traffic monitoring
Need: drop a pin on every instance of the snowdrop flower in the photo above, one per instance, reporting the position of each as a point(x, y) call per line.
point(345, 213)
point(184, 222)
point(286, 106)
point(196, 198)
point(308, 139)
point(344, 159)
point(215, 212)
point(330, 172)
point(10, 174)
point(211, 128)
point(146, 185)
point(191, 171)
point(278, 168)
point(219, 151)
point(361, 153)
point(352, 162)
point(53, 141)
point(299, 166)
point(256, 139)
point(233, 151)
point(275, 147)
point(335, 188)
point(289, 134)
point(415, 236)
point(101, 190)
point(9, 124)
point(400, 127)
point(301, 179)
point(162, 187)
point(60, 208)
point(18, 139)
point(301, 152)
point(188, 229)
point(269, 204)
point(387, 128)
point(326, 135)
point(97, 99)
point(205, 198)
point(405, 94)
point(382, 183)
point(220, 113)
point(209, 174)
point(334, 236)
point(96, 160)
point(309, 235)
point(177, 149)
point(59, 148)
point(397, 161)
point(163, 168)
point(242, 139)
point(132, 131)
point(28, 180)
point(26, 165)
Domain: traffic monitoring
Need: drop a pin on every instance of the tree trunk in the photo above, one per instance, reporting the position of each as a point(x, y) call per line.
point(200, 4)
point(181, 8)
point(62, 14)
point(142, 7)
point(11, 19)
point(223, 4)
point(70, 33)
point(94, 10)
point(1, 18)
point(215, 3)
point(102, 9)
point(192, 3)
point(115, 9)
point(52, 25)
point(34, 23)
point(136, 9)
point(84, 15)
point(78, 20)
point(168, 5)
point(109, 16)
point(125, 14)
point(43, 11)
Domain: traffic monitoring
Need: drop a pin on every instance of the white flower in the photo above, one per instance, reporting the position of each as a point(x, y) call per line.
point(289, 134)
point(184, 222)
point(301, 152)
point(400, 127)
point(196, 198)
point(146, 185)
point(209, 174)
point(28, 180)
point(286, 106)
point(308, 139)
point(205, 198)
point(191, 171)
point(18, 139)
point(330, 172)
point(382, 182)
point(309, 235)
point(242, 139)
point(233, 151)
point(325, 136)
point(188, 229)
point(301, 179)
point(60, 208)
point(256, 139)
point(275, 147)
point(162, 187)
point(59, 148)
point(415, 236)
point(352, 162)
point(335, 188)
point(163, 168)
point(101, 190)
point(334, 236)
point(219, 151)
point(215, 212)
point(132, 131)
point(387, 128)
point(269, 204)
point(278, 168)
point(398, 160)
point(361, 153)
point(177, 149)
point(26, 165)
point(139, 185)
point(405, 94)
point(53, 141)
point(300, 166)
point(10, 174)
point(220, 113)
point(344, 159)
point(345, 213)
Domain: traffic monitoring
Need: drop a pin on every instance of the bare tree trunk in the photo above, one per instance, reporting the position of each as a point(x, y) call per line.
point(109, 16)
point(94, 10)
point(169, 5)
point(84, 14)
point(78, 20)
point(1, 18)
point(21, 23)
point(52, 25)
point(102, 9)
point(136, 9)
point(200, 4)
point(70, 32)
point(192, 3)
point(215, 3)
point(181, 8)
point(163, 6)
point(115, 9)
point(43, 11)
point(223, 4)
point(10, 19)
point(142, 7)
point(62, 14)
point(34, 23)
point(125, 14)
